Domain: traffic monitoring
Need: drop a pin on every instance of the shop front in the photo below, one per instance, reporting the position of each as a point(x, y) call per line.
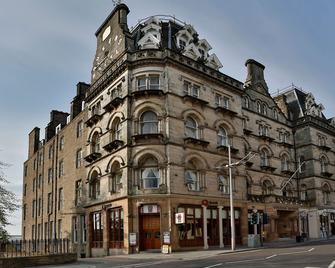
point(191, 233)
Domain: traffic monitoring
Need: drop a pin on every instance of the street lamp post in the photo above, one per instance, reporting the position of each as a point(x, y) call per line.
point(231, 200)
point(242, 162)
point(232, 213)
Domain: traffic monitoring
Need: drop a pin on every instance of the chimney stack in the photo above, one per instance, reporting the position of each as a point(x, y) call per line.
point(255, 76)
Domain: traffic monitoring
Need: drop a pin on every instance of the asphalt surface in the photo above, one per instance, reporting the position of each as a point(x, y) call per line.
point(311, 255)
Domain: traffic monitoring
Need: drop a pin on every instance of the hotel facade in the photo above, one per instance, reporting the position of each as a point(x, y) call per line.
point(139, 161)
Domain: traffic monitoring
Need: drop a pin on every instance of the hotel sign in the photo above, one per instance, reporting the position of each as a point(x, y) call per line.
point(180, 218)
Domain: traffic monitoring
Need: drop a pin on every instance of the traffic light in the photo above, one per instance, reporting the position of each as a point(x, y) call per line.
point(254, 218)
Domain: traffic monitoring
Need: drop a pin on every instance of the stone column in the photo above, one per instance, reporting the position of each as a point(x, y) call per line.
point(220, 227)
point(204, 212)
point(105, 232)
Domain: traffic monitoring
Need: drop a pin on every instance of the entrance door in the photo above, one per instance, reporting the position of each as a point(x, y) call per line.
point(150, 235)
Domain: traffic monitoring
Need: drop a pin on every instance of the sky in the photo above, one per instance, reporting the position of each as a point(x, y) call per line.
point(47, 47)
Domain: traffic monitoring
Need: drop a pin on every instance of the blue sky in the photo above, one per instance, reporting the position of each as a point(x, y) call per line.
point(47, 46)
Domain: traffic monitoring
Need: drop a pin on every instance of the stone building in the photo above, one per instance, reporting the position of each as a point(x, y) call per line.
point(148, 140)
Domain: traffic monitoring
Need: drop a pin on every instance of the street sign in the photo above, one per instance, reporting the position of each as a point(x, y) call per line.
point(132, 239)
point(180, 218)
point(166, 238)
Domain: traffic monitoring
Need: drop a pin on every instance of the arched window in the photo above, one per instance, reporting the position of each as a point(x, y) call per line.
point(284, 163)
point(191, 128)
point(223, 184)
point(259, 107)
point(245, 102)
point(275, 114)
point(264, 109)
point(303, 192)
point(323, 164)
point(117, 129)
point(287, 191)
point(94, 186)
point(115, 180)
point(267, 187)
point(264, 158)
point(192, 177)
point(326, 193)
point(222, 137)
point(150, 173)
point(149, 123)
point(95, 144)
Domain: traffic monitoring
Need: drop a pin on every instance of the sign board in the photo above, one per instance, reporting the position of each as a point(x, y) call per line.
point(180, 218)
point(132, 239)
point(165, 249)
point(166, 238)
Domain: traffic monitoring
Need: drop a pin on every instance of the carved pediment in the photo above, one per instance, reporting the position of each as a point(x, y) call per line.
point(214, 62)
point(192, 51)
point(149, 41)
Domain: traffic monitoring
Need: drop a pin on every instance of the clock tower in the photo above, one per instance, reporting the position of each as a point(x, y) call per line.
point(112, 42)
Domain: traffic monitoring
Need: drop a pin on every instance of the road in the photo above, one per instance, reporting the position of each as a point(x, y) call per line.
point(321, 255)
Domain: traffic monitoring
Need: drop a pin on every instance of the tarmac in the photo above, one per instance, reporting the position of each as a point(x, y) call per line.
point(214, 251)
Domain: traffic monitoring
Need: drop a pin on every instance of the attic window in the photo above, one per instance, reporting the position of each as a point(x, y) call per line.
point(202, 52)
point(182, 44)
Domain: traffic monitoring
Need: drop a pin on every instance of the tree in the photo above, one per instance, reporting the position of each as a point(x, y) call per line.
point(8, 203)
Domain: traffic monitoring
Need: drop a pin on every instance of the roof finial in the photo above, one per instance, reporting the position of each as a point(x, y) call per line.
point(117, 2)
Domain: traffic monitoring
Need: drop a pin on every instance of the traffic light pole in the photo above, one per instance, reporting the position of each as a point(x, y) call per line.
point(232, 213)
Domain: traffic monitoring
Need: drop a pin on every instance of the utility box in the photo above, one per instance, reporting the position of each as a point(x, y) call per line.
point(254, 241)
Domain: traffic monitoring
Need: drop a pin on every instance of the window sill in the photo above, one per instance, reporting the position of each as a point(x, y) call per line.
point(224, 110)
point(92, 157)
point(147, 92)
point(225, 149)
point(113, 104)
point(113, 145)
point(190, 140)
point(195, 100)
point(268, 168)
point(93, 120)
point(266, 138)
point(148, 136)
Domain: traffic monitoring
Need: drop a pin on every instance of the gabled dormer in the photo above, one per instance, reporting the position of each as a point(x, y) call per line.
point(151, 34)
point(214, 62)
point(192, 52)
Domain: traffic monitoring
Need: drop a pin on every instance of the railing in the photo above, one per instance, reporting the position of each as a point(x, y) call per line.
point(21, 248)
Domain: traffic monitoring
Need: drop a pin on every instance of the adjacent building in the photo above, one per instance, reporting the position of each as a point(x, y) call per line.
point(147, 141)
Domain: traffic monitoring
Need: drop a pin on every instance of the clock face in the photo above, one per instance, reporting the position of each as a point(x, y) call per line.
point(106, 33)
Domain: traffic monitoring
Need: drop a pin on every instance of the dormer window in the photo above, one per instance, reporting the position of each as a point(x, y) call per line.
point(182, 44)
point(202, 52)
point(191, 89)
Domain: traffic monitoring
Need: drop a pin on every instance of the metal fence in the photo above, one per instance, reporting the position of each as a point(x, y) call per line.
point(20, 248)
